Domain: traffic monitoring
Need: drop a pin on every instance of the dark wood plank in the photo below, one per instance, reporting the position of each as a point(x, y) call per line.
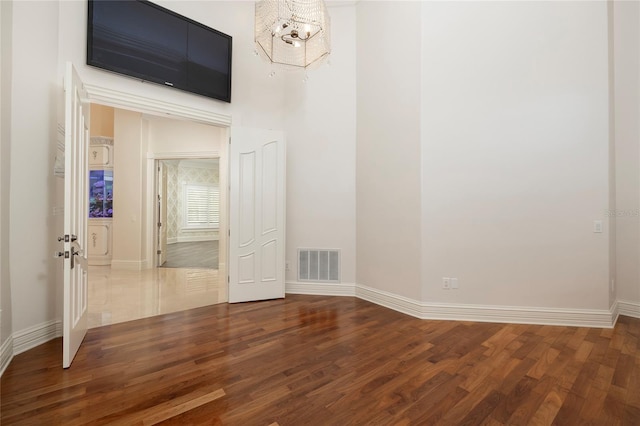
point(328, 360)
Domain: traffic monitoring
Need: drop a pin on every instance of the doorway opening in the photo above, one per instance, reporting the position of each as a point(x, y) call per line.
point(149, 252)
point(188, 212)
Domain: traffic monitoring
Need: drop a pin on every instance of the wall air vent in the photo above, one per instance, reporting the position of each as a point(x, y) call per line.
point(319, 265)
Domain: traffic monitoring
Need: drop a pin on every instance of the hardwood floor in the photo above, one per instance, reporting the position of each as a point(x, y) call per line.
point(312, 360)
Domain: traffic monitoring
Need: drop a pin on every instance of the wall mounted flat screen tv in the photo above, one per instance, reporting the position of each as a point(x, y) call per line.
point(146, 41)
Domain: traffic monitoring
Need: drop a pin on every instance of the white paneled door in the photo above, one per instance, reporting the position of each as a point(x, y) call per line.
point(257, 215)
point(76, 211)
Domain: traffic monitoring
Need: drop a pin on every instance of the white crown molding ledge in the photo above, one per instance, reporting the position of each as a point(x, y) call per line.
point(120, 99)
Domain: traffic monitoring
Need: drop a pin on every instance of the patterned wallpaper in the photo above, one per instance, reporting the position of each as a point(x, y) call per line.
point(178, 173)
point(172, 199)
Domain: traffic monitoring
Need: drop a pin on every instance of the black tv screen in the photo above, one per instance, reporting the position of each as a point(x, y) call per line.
point(146, 41)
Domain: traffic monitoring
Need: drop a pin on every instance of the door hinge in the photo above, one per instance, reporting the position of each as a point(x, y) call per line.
point(158, 251)
point(229, 232)
point(159, 224)
point(228, 279)
point(229, 140)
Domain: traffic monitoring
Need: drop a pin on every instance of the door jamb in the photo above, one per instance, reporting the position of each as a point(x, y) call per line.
point(105, 96)
point(152, 205)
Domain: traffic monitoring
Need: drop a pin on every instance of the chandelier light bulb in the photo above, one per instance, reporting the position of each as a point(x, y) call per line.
point(293, 33)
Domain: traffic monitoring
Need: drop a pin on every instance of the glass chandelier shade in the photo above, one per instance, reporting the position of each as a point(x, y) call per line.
point(293, 32)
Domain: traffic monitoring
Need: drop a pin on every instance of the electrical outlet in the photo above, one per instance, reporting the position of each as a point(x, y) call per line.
point(454, 283)
point(613, 285)
point(597, 226)
point(446, 283)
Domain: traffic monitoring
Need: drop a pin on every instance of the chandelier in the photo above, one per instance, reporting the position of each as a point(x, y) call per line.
point(293, 32)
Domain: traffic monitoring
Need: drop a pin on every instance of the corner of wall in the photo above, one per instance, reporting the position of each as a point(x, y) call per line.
point(6, 354)
point(6, 28)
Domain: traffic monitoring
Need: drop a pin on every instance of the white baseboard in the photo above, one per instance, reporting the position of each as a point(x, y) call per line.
point(6, 354)
point(33, 336)
point(599, 318)
point(128, 265)
point(629, 308)
point(320, 289)
point(195, 239)
point(26, 339)
point(172, 240)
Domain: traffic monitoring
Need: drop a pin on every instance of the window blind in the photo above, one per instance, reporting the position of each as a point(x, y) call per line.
point(202, 206)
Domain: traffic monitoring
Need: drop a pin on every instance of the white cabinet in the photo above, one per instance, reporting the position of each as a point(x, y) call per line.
point(100, 200)
point(99, 241)
point(101, 152)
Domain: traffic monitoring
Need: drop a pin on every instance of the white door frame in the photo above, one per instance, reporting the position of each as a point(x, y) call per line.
point(117, 99)
point(152, 205)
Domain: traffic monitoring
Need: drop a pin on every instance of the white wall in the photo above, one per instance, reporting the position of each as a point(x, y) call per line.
point(515, 153)
point(388, 147)
point(5, 167)
point(34, 102)
point(320, 129)
point(168, 136)
point(256, 98)
point(128, 216)
point(627, 134)
point(482, 146)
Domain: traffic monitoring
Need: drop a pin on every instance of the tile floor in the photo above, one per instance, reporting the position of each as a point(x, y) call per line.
point(118, 295)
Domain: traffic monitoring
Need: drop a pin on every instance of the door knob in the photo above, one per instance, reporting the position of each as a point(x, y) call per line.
point(73, 256)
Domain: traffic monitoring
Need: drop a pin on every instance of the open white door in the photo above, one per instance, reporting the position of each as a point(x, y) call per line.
point(257, 215)
point(76, 208)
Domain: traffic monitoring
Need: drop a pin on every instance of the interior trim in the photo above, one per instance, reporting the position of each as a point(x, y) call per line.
point(629, 308)
point(597, 318)
point(6, 354)
point(33, 336)
point(118, 99)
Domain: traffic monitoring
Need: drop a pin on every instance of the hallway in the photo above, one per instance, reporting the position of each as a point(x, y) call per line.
point(119, 295)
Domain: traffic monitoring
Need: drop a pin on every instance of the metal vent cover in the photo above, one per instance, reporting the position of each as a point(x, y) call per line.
point(319, 265)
